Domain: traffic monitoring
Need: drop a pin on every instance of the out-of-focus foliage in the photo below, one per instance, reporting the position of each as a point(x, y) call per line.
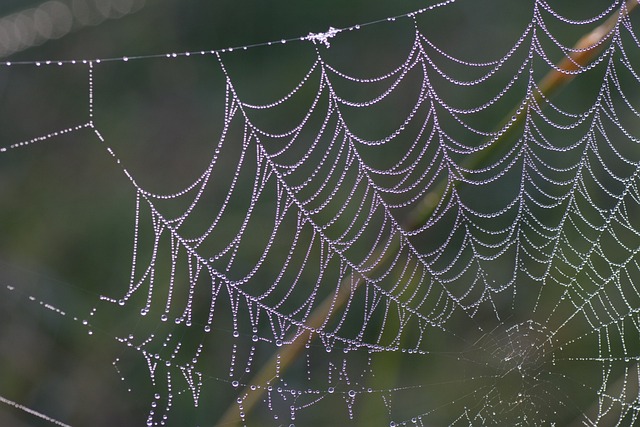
point(67, 212)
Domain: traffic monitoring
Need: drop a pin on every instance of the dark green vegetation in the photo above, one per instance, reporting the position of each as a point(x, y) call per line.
point(67, 219)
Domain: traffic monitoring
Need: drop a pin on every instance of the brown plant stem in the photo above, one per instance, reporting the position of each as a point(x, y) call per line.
point(588, 47)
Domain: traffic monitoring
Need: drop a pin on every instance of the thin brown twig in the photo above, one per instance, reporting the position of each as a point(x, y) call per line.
point(585, 50)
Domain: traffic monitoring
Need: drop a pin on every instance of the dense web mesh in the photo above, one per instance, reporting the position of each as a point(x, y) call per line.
point(371, 245)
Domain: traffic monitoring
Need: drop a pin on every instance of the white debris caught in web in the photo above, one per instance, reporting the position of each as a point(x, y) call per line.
point(323, 37)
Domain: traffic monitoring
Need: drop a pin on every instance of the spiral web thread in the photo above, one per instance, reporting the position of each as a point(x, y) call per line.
point(519, 293)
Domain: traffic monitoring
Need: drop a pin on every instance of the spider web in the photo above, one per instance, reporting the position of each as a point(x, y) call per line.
point(366, 246)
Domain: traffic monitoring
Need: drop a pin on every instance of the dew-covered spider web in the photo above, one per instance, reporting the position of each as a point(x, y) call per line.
point(414, 221)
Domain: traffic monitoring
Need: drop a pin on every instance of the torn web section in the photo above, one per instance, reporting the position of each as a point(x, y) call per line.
point(179, 188)
point(58, 200)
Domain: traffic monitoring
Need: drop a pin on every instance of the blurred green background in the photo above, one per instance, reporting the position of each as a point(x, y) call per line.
point(67, 211)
